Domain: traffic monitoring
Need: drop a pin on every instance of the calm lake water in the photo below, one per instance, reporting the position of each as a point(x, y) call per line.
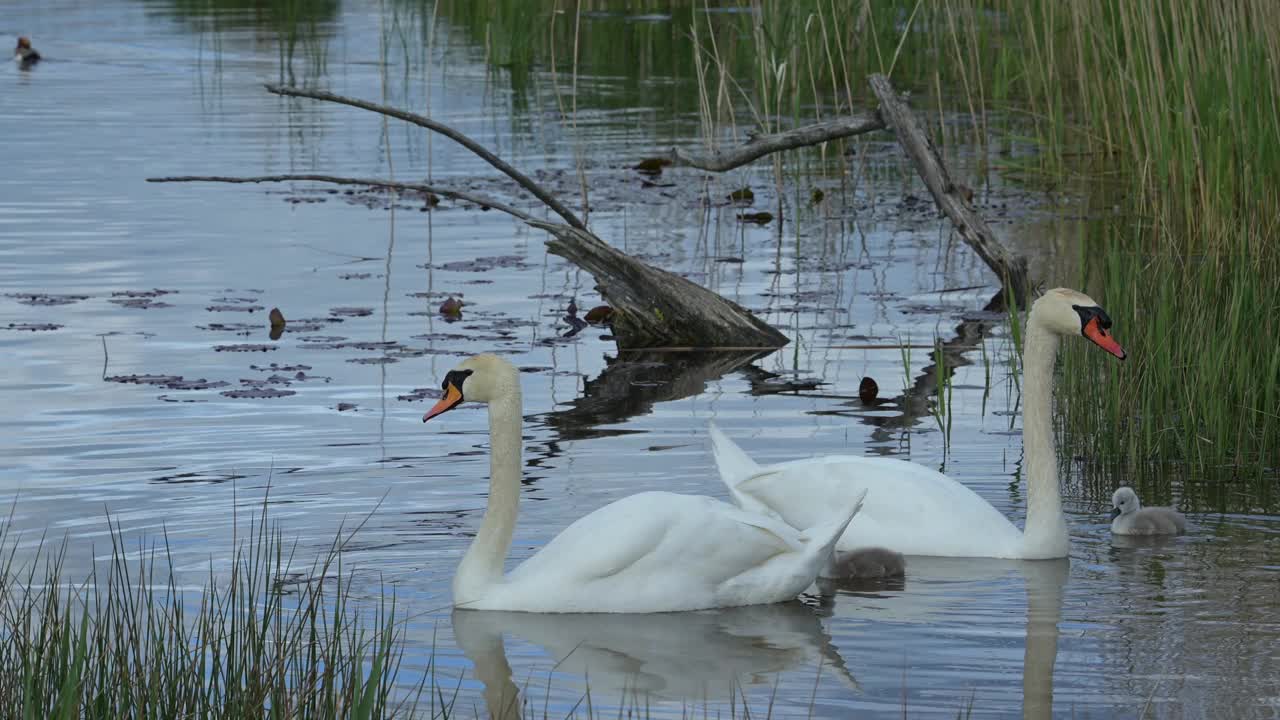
point(108, 282)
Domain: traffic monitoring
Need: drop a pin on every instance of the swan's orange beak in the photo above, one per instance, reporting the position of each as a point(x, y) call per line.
point(452, 396)
point(1098, 334)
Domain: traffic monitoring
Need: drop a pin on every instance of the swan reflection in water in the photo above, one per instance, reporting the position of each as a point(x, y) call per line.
point(938, 588)
point(686, 657)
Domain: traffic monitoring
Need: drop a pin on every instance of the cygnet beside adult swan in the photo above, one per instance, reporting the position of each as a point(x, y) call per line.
point(914, 510)
point(649, 552)
point(1128, 517)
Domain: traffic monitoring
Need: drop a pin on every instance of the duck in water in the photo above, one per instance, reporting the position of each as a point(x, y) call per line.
point(24, 54)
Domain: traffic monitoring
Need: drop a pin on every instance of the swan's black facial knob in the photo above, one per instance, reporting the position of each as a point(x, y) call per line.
point(1094, 323)
point(456, 378)
point(452, 387)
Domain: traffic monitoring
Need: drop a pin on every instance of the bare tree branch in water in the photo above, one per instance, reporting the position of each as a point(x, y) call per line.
point(651, 307)
point(364, 182)
point(758, 146)
point(894, 114)
point(951, 198)
point(435, 126)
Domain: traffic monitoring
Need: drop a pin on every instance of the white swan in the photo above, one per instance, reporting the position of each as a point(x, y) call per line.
point(914, 510)
point(650, 552)
point(1128, 517)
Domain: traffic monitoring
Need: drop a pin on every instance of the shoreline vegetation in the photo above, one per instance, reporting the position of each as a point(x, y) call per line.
point(1166, 115)
point(1165, 118)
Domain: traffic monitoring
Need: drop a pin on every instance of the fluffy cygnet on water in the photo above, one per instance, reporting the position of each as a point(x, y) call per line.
point(871, 562)
point(1130, 518)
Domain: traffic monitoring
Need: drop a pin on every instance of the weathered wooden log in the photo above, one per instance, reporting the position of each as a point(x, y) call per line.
point(655, 308)
point(951, 198)
point(652, 307)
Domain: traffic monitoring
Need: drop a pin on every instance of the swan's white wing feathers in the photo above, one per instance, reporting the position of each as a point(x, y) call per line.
point(650, 550)
point(909, 508)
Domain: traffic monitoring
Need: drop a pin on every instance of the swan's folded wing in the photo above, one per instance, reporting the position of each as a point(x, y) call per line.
point(658, 532)
point(909, 508)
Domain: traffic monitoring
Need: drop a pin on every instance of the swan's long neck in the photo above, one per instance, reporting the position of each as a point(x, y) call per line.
point(481, 567)
point(1045, 535)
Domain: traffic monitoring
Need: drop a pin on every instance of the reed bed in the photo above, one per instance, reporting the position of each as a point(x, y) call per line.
point(264, 640)
point(1162, 118)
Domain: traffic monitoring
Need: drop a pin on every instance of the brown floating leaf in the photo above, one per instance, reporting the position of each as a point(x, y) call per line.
point(744, 196)
point(451, 309)
point(277, 323)
point(759, 218)
point(868, 390)
point(599, 315)
point(652, 166)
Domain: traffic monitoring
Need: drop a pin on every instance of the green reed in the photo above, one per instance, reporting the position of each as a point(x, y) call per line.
point(128, 641)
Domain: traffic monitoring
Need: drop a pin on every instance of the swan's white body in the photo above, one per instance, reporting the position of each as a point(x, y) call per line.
point(650, 552)
point(914, 510)
point(909, 508)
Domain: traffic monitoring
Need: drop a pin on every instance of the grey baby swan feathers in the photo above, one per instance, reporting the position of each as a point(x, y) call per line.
point(1130, 518)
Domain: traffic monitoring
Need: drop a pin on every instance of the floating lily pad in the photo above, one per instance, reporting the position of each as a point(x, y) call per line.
point(34, 327)
point(171, 382)
point(225, 307)
point(421, 394)
point(44, 299)
point(238, 328)
point(351, 311)
point(485, 264)
point(280, 368)
point(258, 392)
point(144, 379)
point(432, 295)
point(243, 347)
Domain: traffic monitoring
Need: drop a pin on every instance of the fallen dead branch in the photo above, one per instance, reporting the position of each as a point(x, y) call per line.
point(651, 307)
point(363, 182)
point(894, 114)
point(951, 198)
point(758, 146)
point(481, 151)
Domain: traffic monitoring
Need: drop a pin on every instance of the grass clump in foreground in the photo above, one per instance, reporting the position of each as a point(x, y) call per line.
point(259, 643)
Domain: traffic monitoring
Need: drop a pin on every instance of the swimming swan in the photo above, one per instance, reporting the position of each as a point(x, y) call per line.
point(914, 510)
point(649, 552)
point(1128, 517)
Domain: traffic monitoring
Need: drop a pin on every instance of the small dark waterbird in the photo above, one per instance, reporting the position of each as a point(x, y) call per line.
point(24, 54)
